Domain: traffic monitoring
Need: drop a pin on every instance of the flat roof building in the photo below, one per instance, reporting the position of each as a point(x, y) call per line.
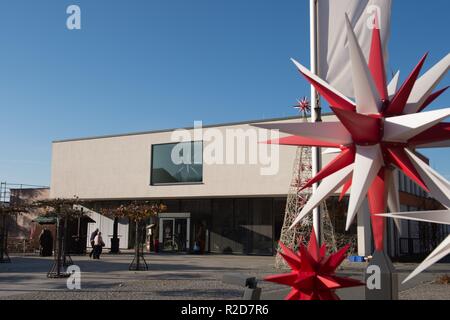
point(225, 190)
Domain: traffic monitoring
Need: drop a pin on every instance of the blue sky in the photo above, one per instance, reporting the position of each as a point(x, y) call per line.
point(141, 65)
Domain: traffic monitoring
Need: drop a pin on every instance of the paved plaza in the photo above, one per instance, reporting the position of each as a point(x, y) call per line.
point(180, 277)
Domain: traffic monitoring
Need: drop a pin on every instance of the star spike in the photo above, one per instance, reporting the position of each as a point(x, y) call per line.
point(438, 185)
point(437, 255)
point(376, 62)
point(426, 84)
point(301, 141)
point(335, 260)
point(366, 94)
point(403, 128)
point(323, 251)
point(329, 282)
point(437, 134)
point(332, 150)
point(293, 295)
point(368, 163)
point(398, 103)
point(393, 85)
point(325, 189)
point(439, 216)
point(378, 204)
point(313, 247)
point(333, 96)
point(399, 158)
point(346, 158)
point(393, 198)
point(309, 264)
point(431, 99)
point(331, 132)
point(289, 256)
point(345, 188)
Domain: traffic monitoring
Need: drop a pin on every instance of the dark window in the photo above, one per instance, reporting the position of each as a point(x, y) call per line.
point(222, 231)
point(172, 205)
point(261, 227)
point(279, 209)
point(177, 163)
point(241, 224)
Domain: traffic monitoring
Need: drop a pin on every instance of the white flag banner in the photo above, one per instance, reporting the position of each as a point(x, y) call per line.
point(333, 56)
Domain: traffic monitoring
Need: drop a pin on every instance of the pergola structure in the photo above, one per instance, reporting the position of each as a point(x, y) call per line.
point(59, 211)
point(136, 211)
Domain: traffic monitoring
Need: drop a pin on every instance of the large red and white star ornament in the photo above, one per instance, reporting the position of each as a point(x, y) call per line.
point(376, 133)
point(313, 272)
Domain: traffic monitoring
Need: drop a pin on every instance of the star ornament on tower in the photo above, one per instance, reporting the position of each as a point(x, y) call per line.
point(375, 134)
point(313, 272)
point(303, 106)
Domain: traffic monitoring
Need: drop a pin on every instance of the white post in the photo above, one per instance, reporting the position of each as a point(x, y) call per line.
point(315, 109)
point(364, 231)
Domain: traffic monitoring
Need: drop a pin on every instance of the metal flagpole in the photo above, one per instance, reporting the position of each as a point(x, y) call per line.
point(315, 109)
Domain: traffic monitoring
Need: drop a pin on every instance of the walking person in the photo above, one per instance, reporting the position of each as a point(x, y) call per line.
point(92, 240)
point(98, 245)
point(46, 243)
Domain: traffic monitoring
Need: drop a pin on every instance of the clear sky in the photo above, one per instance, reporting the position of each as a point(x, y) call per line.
point(141, 65)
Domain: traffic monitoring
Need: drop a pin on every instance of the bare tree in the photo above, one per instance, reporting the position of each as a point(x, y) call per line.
point(62, 210)
point(137, 211)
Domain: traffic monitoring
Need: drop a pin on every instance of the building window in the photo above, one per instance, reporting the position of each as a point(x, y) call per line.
point(177, 163)
point(401, 181)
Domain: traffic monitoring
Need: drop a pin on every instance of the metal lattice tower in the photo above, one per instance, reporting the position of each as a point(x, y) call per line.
point(296, 200)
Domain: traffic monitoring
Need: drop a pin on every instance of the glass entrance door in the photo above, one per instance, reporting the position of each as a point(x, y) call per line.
point(174, 234)
point(167, 228)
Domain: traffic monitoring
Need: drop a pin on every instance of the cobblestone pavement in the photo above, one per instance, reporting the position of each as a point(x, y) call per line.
point(179, 277)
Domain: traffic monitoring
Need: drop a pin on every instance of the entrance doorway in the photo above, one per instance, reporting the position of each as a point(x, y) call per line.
point(174, 232)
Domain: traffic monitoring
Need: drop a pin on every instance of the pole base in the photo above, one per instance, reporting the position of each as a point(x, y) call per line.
point(138, 266)
point(67, 261)
point(57, 273)
point(381, 278)
point(58, 276)
point(115, 245)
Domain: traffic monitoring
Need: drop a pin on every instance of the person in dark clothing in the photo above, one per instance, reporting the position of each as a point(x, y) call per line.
point(46, 243)
point(92, 240)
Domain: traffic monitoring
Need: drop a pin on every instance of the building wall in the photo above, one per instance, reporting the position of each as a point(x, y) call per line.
point(23, 234)
point(119, 168)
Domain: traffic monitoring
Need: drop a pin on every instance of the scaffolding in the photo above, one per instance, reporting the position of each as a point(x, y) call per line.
point(296, 200)
point(6, 194)
point(7, 199)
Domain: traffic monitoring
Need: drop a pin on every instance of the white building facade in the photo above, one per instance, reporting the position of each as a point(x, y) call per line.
point(224, 189)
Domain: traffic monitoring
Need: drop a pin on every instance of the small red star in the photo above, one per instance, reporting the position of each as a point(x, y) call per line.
point(303, 106)
point(313, 272)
